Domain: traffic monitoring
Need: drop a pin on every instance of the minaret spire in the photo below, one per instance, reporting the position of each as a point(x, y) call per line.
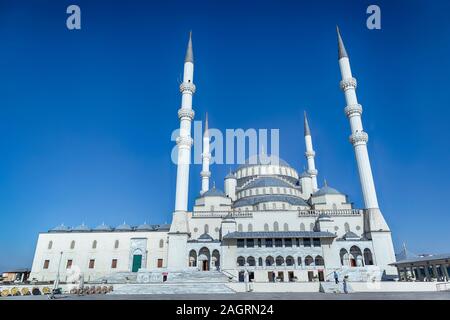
point(206, 158)
point(179, 229)
point(375, 226)
point(310, 153)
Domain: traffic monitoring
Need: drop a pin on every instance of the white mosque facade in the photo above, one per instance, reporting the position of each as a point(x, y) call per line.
point(271, 223)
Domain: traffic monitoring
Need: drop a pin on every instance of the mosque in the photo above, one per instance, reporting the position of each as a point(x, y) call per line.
point(270, 222)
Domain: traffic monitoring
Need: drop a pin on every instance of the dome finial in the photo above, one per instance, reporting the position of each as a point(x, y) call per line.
point(307, 131)
point(325, 182)
point(341, 47)
point(189, 52)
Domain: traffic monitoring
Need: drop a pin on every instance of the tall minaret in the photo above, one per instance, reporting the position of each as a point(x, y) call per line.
point(206, 157)
point(375, 227)
point(179, 229)
point(310, 154)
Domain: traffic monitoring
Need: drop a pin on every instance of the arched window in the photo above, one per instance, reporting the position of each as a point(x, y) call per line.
point(289, 261)
point(275, 226)
point(266, 227)
point(240, 227)
point(240, 261)
point(274, 205)
point(212, 208)
point(271, 190)
point(250, 191)
point(284, 206)
point(344, 257)
point(251, 261)
point(311, 227)
point(334, 206)
point(346, 227)
point(116, 244)
point(279, 261)
point(302, 226)
point(355, 257)
point(72, 244)
point(264, 206)
point(206, 228)
point(299, 261)
point(161, 243)
point(50, 245)
point(269, 261)
point(368, 260)
point(256, 191)
point(308, 260)
point(264, 190)
point(319, 261)
point(250, 227)
point(285, 227)
point(260, 262)
point(192, 258)
point(94, 244)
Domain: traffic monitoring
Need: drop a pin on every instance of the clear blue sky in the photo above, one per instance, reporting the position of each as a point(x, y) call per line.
point(86, 116)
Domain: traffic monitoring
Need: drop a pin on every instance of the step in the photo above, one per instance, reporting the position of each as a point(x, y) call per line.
point(332, 287)
point(172, 288)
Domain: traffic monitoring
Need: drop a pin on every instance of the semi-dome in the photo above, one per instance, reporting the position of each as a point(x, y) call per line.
point(254, 200)
point(205, 237)
point(325, 190)
point(124, 227)
point(230, 176)
point(103, 227)
point(144, 227)
point(60, 228)
point(304, 174)
point(267, 182)
point(349, 235)
point(82, 228)
point(214, 193)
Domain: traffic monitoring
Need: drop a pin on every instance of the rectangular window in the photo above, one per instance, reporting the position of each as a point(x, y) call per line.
point(297, 242)
point(69, 264)
point(114, 263)
point(91, 263)
point(288, 242)
point(259, 243)
point(250, 243)
point(278, 242)
point(307, 242)
point(316, 242)
point(240, 243)
point(269, 243)
point(46, 263)
point(160, 263)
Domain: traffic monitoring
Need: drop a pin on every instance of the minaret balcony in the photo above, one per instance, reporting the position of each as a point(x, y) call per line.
point(349, 83)
point(186, 142)
point(310, 154)
point(359, 137)
point(187, 87)
point(205, 174)
point(353, 110)
point(186, 113)
point(312, 172)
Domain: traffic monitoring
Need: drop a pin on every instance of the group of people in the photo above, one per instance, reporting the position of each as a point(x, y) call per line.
point(344, 281)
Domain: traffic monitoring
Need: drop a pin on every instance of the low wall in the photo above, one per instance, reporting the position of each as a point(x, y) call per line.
point(276, 287)
point(392, 286)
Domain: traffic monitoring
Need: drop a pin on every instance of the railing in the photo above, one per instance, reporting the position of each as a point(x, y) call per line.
point(337, 212)
point(222, 214)
point(228, 274)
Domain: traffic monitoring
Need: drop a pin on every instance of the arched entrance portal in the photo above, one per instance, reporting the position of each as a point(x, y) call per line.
point(192, 258)
point(216, 259)
point(204, 259)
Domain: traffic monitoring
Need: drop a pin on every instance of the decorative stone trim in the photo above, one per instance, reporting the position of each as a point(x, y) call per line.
point(205, 174)
point(349, 83)
point(187, 87)
point(207, 155)
point(186, 113)
point(312, 172)
point(184, 142)
point(309, 154)
point(359, 137)
point(353, 110)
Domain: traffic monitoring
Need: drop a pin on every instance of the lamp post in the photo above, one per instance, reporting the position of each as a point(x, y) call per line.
point(55, 286)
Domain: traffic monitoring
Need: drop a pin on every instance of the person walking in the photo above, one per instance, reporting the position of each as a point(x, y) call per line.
point(336, 277)
point(345, 284)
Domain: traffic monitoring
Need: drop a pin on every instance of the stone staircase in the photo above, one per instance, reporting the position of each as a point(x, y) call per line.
point(332, 287)
point(118, 277)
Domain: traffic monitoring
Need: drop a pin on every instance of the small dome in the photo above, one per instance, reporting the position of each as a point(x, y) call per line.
point(324, 217)
point(325, 190)
point(264, 159)
point(304, 174)
point(350, 236)
point(144, 227)
point(205, 237)
point(60, 228)
point(230, 176)
point(82, 228)
point(103, 227)
point(124, 227)
point(214, 193)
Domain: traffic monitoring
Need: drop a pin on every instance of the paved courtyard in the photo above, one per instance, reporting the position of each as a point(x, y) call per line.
point(443, 295)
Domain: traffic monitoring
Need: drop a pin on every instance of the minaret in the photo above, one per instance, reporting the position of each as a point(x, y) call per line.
point(206, 157)
point(310, 154)
point(376, 227)
point(179, 229)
